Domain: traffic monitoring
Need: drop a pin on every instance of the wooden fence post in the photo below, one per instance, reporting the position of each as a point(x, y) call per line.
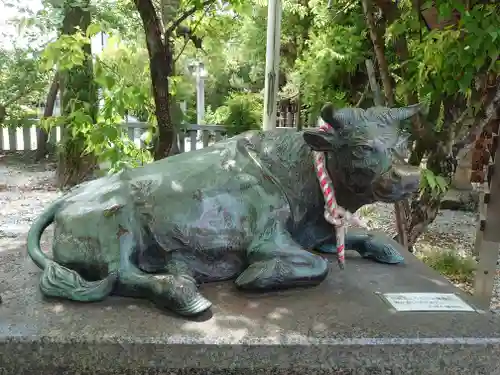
point(489, 226)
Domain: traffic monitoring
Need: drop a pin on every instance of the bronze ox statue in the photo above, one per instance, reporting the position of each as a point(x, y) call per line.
point(248, 208)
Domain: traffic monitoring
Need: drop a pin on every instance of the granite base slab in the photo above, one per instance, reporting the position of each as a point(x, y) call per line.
point(342, 326)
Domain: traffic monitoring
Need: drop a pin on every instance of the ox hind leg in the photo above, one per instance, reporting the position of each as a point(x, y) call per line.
point(276, 261)
point(370, 245)
point(175, 289)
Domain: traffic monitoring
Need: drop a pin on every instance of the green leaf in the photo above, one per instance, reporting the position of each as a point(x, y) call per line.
point(110, 132)
point(450, 86)
point(110, 81)
point(97, 137)
point(465, 81)
point(479, 61)
point(430, 179)
point(445, 10)
point(442, 184)
point(93, 29)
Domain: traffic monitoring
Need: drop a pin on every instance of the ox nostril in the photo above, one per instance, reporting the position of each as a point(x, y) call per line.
point(396, 175)
point(412, 185)
point(407, 177)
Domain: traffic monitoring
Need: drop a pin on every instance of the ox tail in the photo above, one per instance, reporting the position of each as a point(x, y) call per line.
point(57, 280)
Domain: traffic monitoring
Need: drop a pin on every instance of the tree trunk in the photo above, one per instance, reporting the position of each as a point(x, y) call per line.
point(491, 105)
point(378, 46)
point(160, 63)
point(441, 163)
point(78, 90)
point(402, 208)
point(391, 13)
point(42, 136)
point(423, 209)
point(427, 141)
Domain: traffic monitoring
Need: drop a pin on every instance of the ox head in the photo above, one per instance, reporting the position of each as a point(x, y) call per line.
point(364, 153)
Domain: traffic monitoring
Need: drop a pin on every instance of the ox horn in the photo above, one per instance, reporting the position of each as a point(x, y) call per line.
point(328, 115)
point(400, 114)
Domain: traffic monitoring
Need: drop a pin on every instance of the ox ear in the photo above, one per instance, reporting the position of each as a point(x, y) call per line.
point(328, 115)
point(319, 140)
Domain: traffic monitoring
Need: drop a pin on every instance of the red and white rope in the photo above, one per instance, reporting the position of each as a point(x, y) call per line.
point(335, 215)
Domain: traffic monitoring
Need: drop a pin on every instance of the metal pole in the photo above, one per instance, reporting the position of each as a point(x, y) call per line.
point(272, 63)
point(100, 42)
point(200, 95)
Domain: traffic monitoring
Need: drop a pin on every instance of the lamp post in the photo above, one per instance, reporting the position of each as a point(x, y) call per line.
point(200, 73)
point(97, 44)
point(272, 63)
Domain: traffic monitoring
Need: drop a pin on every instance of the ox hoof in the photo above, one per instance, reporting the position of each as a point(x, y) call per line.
point(303, 270)
point(328, 248)
point(383, 249)
point(195, 307)
point(388, 256)
point(180, 294)
point(381, 253)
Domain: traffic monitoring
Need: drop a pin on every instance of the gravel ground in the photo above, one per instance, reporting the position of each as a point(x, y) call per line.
point(25, 190)
point(451, 229)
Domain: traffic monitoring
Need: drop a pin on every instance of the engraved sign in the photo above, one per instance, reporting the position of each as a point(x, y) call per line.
point(427, 302)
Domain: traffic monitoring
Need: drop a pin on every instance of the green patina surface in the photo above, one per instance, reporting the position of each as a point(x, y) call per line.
point(248, 208)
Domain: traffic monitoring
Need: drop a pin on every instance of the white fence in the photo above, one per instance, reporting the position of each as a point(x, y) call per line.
point(192, 137)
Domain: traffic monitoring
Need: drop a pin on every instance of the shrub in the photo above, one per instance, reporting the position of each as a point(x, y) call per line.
point(449, 263)
point(240, 112)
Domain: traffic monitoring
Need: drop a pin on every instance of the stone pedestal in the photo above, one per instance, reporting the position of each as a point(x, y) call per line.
point(341, 327)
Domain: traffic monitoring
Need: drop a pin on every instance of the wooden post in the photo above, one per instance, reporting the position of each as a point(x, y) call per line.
point(372, 78)
point(193, 135)
point(205, 136)
point(12, 138)
point(490, 242)
point(27, 137)
point(483, 191)
point(298, 124)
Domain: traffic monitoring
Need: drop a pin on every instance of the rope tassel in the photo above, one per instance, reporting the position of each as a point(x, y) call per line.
point(335, 215)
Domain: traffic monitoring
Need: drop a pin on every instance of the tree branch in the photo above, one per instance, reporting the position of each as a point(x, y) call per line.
point(18, 96)
point(187, 14)
point(477, 128)
point(186, 41)
point(363, 95)
point(378, 46)
point(391, 13)
point(42, 135)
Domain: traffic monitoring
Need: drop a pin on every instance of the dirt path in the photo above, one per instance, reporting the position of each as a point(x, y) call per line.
point(25, 190)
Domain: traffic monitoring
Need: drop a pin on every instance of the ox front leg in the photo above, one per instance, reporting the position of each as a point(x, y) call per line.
point(374, 245)
point(175, 290)
point(276, 261)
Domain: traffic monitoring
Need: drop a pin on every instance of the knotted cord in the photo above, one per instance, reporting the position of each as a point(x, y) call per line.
point(335, 215)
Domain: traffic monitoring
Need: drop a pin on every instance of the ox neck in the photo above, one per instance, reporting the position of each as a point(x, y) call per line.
point(333, 191)
point(324, 178)
point(348, 199)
